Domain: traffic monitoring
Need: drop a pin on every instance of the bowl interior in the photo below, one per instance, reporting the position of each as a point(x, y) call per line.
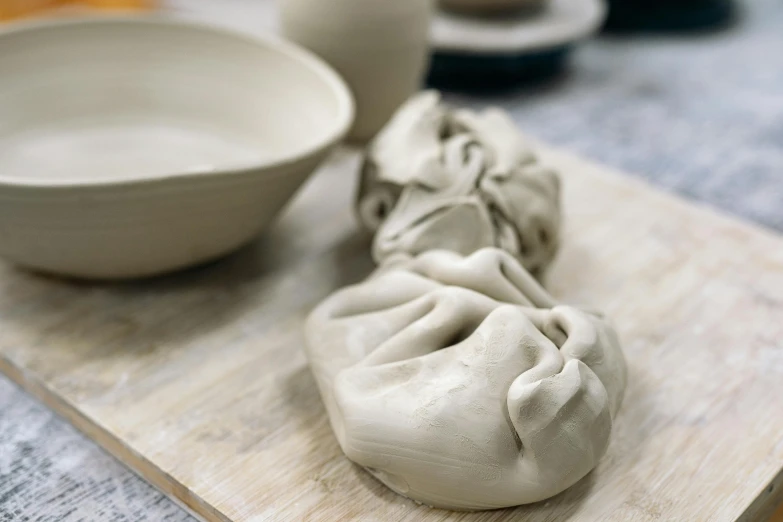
point(104, 100)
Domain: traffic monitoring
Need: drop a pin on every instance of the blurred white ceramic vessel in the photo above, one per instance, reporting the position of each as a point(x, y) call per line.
point(380, 47)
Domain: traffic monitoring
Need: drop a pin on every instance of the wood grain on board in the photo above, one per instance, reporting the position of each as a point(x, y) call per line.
point(198, 381)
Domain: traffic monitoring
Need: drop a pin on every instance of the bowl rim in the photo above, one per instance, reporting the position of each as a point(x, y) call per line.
point(346, 106)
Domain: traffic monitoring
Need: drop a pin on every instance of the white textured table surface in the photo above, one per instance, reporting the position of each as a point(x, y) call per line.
point(700, 115)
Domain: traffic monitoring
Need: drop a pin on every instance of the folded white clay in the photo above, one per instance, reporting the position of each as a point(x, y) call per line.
point(459, 383)
point(438, 178)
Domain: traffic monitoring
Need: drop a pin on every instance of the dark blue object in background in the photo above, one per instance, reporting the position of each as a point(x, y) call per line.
point(479, 72)
point(669, 15)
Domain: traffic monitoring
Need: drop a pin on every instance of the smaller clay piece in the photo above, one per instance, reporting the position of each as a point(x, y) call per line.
point(439, 178)
point(460, 383)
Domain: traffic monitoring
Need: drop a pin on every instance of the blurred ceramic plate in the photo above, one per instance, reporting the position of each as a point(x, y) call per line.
point(558, 24)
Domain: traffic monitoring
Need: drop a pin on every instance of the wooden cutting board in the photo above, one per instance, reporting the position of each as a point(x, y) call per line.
point(198, 381)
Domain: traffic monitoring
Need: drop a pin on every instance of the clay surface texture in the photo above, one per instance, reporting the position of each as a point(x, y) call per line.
point(439, 178)
point(460, 383)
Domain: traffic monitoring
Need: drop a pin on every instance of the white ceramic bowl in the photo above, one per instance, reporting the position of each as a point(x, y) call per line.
point(132, 147)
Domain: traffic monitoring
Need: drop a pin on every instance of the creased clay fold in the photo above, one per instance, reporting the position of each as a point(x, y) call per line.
point(440, 178)
point(460, 383)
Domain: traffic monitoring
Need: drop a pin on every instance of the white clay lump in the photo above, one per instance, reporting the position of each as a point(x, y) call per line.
point(441, 178)
point(460, 383)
